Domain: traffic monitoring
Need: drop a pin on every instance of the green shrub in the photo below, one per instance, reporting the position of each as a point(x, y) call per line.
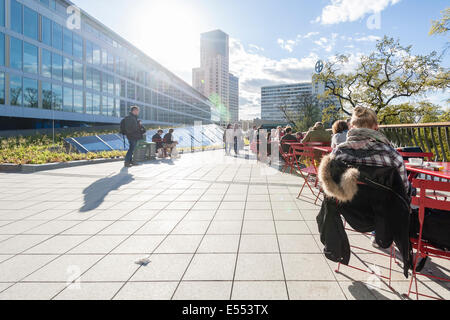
point(40, 149)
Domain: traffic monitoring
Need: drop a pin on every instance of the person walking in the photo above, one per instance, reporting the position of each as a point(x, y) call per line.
point(227, 139)
point(133, 130)
point(238, 139)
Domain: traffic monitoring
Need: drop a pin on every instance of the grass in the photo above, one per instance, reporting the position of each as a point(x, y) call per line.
point(40, 149)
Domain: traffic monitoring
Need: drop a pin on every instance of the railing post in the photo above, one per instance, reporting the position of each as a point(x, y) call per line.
point(444, 155)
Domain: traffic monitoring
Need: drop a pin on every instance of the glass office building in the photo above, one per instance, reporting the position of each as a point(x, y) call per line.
point(56, 70)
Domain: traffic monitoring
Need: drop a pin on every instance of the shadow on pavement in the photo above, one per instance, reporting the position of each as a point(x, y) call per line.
point(95, 194)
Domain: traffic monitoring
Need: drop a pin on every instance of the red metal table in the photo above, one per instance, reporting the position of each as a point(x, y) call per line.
point(324, 150)
point(443, 174)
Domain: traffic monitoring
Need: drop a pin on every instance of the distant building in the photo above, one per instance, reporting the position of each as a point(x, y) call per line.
point(274, 97)
point(234, 99)
point(212, 78)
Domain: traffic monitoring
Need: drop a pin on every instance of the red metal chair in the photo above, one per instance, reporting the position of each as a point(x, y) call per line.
point(391, 256)
point(422, 247)
point(311, 171)
point(288, 157)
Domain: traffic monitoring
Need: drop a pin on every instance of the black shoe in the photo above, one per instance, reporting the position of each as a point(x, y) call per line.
point(128, 165)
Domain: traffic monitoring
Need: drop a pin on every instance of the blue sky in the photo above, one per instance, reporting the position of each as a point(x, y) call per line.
point(272, 41)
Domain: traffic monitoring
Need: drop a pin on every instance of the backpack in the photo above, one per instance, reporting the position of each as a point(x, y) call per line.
point(123, 129)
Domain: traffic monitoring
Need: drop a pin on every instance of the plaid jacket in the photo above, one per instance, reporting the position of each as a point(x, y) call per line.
point(372, 153)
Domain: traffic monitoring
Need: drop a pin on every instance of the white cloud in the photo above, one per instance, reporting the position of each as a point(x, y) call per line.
point(256, 70)
point(289, 45)
point(351, 10)
point(368, 39)
point(254, 47)
point(327, 44)
point(310, 34)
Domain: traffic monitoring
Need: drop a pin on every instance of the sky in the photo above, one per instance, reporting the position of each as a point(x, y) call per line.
point(271, 41)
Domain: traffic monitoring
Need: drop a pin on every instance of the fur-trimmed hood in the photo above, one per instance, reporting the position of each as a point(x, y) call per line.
point(343, 187)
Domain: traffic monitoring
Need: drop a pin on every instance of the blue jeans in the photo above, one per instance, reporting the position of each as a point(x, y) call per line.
point(129, 156)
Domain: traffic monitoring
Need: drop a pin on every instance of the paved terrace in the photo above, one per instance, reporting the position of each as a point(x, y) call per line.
point(214, 227)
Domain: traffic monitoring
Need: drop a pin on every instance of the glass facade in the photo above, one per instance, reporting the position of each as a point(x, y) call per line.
point(87, 71)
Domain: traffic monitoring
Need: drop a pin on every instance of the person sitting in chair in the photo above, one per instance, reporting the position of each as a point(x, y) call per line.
point(366, 145)
point(157, 138)
point(288, 138)
point(169, 143)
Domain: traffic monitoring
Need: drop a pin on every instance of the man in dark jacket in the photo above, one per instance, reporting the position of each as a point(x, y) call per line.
point(134, 133)
point(169, 143)
point(288, 138)
point(157, 138)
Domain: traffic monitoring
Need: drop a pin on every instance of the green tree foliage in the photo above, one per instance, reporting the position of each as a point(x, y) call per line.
point(385, 76)
point(441, 26)
point(407, 113)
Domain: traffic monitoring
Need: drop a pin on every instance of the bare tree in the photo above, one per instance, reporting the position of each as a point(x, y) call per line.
point(302, 112)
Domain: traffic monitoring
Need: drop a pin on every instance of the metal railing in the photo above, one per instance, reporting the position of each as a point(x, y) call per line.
point(430, 137)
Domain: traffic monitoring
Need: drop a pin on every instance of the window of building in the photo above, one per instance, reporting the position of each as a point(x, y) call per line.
point(57, 36)
point(16, 55)
point(46, 64)
point(46, 95)
point(2, 87)
point(123, 90)
point(96, 79)
point(45, 2)
point(68, 100)
point(78, 73)
point(131, 91)
point(68, 70)
point(89, 78)
point(139, 93)
point(78, 101)
point(111, 62)
point(148, 96)
point(46, 31)
point(57, 67)
point(105, 82)
point(30, 93)
point(89, 52)
point(111, 90)
point(30, 58)
point(88, 103)
point(31, 25)
point(2, 48)
point(77, 46)
point(2, 13)
point(15, 90)
point(115, 112)
point(68, 41)
point(96, 104)
point(96, 55)
point(105, 110)
point(104, 58)
point(57, 97)
point(16, 16)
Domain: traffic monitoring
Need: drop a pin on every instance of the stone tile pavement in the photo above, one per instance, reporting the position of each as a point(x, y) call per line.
point(214, 227)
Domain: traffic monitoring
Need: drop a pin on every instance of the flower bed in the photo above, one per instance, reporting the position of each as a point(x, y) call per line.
point(41, 149)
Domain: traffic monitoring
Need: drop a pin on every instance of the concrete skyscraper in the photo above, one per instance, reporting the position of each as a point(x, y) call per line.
point(234, 98)
point(212, 78)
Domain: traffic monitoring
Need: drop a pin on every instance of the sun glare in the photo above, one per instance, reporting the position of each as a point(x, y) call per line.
point(169, 31)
